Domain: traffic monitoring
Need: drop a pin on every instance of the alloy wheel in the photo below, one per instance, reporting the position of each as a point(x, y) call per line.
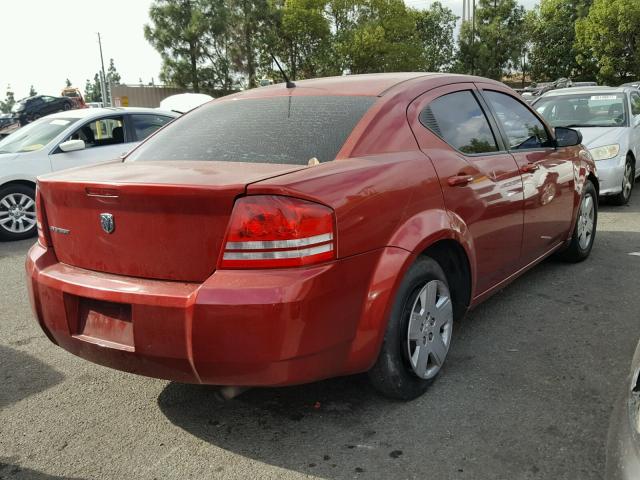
point(17, 213)
point(430, 329)
point(586, 220)
point(627, 182)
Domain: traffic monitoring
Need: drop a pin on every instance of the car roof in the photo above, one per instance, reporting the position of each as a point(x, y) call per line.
point(84, 113)
point(370, 84)
point(574, 90)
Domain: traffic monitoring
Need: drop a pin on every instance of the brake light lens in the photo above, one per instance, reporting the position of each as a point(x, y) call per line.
point(41, 222)
point(271, 231)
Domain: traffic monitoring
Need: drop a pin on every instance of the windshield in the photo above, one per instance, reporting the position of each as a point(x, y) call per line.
point(289, 130)
point(36, 135)
point(584, 110)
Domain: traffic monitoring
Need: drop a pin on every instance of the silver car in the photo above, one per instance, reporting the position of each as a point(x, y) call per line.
point(609, 120)
point(623, 445)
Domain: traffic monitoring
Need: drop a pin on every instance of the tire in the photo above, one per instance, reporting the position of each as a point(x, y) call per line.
point(11, 198)
point(401, 371)
point(580, 247)
point(628, 182)
point(66, 106)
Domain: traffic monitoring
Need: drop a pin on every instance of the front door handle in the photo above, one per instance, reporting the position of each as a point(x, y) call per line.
point(459, 180)
point(529, 168)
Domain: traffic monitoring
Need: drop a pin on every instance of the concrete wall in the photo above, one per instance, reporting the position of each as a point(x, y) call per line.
point(141, 95)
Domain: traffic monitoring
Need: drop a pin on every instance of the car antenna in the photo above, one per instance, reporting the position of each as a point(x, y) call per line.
point(289, 83)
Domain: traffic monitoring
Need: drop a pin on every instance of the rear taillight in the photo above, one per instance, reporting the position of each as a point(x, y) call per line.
point(270, 231)
point(41, 222)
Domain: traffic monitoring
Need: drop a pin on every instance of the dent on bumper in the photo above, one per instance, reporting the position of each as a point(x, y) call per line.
point(268, 327)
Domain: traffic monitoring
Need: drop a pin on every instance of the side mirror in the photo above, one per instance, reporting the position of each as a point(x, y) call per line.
point(567, 137)
point(72, 145)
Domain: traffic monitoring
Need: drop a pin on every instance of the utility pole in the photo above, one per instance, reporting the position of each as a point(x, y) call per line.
point(104, 76)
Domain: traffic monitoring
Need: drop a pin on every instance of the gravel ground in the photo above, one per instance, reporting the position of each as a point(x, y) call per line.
point(526, 393)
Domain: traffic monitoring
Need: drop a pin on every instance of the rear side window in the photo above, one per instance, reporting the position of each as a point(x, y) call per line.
point(635, 103)
point(458, 119)
point(289, 130)
point(522, 127)
point(145, 125)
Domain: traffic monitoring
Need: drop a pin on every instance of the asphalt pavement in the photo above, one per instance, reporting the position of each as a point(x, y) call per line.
point(526, 394)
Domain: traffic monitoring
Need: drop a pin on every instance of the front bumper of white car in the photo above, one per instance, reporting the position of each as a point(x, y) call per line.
point(611, 174)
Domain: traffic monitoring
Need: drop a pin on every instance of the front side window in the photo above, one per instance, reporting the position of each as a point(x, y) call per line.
point(145, 125)
point(600, 109)
point(36, 135)
point(101, 132)
point(522, 127)
point(284, 129)
point(458, 119)
point(635, 103)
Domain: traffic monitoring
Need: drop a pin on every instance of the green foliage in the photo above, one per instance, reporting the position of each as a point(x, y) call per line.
point(92, 90)
point(67, 83)
point(32, 91)
point(9, 101)
point(553, 54)
point(435, 28)
point(609, 37)
point(113, 77)
point(496, 42)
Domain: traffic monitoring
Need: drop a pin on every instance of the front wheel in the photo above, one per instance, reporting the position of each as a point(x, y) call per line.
point(17, 212)
point(584, 232)
point(418, 334)
point(628, 181)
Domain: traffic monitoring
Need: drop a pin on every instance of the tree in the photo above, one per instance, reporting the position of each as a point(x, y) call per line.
point(609, 37)
point(68, 83)
point(378, 36)
point(435, 31)
point(553, 54)
point(113, 77)
point(32, 91)
point(496, 42)
point(187, 33)
point(9, 101)
point(249, 19)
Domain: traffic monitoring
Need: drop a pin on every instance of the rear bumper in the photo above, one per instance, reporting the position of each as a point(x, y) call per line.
point(268, 327)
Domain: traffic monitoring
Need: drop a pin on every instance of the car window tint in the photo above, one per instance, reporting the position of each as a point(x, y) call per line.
point(522, 127)
point(145, 125)
point(283, 129)
point(635, 103)
point(458, 119)
point(101, 132)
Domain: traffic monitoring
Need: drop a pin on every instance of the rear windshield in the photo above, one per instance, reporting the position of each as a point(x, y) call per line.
point(289, 130)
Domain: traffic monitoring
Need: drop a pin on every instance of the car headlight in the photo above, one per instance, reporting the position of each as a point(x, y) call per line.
point(606, 152)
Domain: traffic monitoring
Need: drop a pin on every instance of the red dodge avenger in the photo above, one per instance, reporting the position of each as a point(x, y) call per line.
point(286, 235)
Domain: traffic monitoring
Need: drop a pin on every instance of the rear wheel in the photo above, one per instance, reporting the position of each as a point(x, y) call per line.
point(628, 182)
point(17, 212)
point(66, 106)
point(418, 335)
point(584, 232)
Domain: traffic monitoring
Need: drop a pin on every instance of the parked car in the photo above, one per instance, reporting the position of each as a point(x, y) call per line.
point(623, 443)
point(632, 85)
point(184, 102)
point(29, 109)
point(7, 121)
point(59, 141)
point(609, 120)
point(285, 235)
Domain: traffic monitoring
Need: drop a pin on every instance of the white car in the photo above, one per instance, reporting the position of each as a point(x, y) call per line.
point(63, 140)
point(609, 120)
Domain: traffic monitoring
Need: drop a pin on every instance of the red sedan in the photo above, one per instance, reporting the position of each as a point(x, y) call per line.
point(285, 235)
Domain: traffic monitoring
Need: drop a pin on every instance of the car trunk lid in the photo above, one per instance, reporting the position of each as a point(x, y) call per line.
point(160, 220)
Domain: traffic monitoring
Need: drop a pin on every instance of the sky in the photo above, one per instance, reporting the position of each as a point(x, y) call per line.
point(44, 42)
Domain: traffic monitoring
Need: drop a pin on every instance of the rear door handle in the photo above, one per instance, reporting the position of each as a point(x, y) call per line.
point(529, 167)
point(459, 180)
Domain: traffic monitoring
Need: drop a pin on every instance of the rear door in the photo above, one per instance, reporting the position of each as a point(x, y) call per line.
point(480, 179)
point(105, 139)
point(635, 127)
point(548, 174)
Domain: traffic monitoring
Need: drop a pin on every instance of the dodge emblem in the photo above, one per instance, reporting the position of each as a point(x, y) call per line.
point(107, 222)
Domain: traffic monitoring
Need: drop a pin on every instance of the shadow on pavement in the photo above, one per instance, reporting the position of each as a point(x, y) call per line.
point(10, 471)
point(22, 376)
point(20, 247)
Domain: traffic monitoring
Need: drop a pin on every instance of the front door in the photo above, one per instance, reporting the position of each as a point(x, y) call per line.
point(548, 173)
point(105, 139)
point(480, 179)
